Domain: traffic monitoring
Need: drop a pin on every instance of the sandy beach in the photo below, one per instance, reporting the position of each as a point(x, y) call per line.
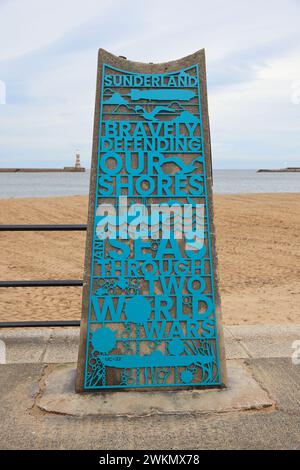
point(258, 248)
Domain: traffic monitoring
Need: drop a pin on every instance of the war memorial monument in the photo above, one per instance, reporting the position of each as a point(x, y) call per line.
point(151, 310)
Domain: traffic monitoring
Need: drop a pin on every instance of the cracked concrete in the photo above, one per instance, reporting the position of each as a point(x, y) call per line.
point(25, 426)
point(243, 393)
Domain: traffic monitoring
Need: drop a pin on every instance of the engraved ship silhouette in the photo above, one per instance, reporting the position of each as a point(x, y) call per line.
point(154, 359)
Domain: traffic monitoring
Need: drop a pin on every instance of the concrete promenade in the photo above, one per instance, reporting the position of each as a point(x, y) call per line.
point(259, 410)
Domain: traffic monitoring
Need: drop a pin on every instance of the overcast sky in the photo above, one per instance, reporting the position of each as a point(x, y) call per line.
point(48, 55)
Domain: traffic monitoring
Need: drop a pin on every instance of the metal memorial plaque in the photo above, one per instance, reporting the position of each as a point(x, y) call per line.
point(151, 313)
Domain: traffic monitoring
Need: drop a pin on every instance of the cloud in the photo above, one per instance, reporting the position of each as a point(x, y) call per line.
point(262, 123)
point(27, 26)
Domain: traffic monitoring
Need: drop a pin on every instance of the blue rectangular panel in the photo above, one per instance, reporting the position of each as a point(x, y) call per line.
point(151, 315)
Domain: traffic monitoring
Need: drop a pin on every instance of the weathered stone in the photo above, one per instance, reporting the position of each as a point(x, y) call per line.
point(242, 393)
point(62, 346)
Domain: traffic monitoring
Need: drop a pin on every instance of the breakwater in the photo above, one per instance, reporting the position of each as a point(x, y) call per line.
point(42, 170)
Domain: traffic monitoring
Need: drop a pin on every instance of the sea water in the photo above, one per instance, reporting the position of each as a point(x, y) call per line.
point(13, 185)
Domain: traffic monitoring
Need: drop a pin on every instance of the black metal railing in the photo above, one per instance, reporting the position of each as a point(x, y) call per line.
point(42, 283)
point(39, 324)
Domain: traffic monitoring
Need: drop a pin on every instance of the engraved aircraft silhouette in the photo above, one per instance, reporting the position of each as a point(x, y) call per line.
point(151, 116)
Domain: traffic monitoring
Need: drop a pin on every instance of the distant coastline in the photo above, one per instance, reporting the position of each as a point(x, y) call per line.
point(289, 169)
point(77, 168)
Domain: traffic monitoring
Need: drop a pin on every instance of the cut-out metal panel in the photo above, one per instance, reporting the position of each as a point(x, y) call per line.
point(150, 307)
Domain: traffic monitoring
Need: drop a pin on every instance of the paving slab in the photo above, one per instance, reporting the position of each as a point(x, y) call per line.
point(62, 346)
point(261, 341)
point(242, 393)
point(25, 426)
point(233, 347)
point(282, 378)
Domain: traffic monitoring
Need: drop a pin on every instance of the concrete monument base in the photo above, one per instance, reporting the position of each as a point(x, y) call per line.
point(57, 395)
